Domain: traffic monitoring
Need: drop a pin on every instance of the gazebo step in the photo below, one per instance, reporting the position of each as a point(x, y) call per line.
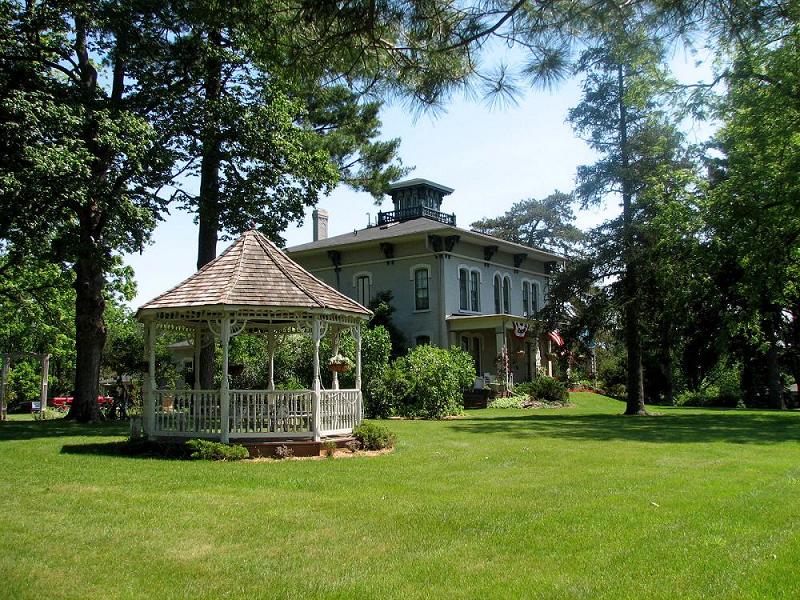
point(262, 449)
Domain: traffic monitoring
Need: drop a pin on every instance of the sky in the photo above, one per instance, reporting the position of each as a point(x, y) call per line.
point(492, 157)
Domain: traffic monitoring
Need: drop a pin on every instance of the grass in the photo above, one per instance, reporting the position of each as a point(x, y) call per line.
point(577, 502)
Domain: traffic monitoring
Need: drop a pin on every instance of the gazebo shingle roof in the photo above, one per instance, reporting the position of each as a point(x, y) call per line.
point(254, 272)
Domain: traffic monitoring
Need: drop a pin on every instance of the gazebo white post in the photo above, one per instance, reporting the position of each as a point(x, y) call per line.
point(272, 341)
point(198, 342)
point(3, 381)
point(224, 393)
point(357, 336)
point(45, 372)
point(335, 351)
point(196, 397)
point(150, 392)
point(315, 393)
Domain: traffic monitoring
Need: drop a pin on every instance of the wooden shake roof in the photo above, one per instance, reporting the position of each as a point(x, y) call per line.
point(254, 272)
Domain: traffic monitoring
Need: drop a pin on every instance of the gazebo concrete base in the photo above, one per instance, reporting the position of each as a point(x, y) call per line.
point(300, 448)
point(266, 449)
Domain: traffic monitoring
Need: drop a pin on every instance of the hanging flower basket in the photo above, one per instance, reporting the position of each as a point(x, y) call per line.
point(340, 363)
point(235, 370)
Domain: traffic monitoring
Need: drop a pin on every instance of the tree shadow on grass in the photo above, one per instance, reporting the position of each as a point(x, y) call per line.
point(140, 448)
point(28, 430)
point(737, 427)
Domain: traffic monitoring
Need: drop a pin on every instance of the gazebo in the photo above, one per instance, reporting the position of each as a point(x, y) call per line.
point(252, 286)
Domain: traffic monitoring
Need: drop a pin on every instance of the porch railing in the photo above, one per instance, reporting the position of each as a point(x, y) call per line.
point(255, 413)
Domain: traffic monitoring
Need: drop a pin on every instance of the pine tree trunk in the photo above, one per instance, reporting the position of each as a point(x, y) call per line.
point(633, 340)
point(208, 203)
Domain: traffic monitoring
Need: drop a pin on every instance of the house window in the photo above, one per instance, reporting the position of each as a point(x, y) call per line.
point(506, 294)
point(421, 296)
point(526, 298)
point(497, 294)
point(475, 291)
point(362, 290)
point(422, 340)
point(535, 298)
point(462, 288)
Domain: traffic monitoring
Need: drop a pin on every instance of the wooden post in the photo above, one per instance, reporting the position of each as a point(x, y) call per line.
point(357, 336)
point(224, 391)
point(45, 358)
point(3, 382)
point(316, 392)
point(272, 342)
point(150, 401)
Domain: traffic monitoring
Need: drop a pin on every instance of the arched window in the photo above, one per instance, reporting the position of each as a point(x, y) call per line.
point(506, 294)
point(526, 298)
point(498, 295)
point(475, 291)
point(463, 276)
point(421, 290)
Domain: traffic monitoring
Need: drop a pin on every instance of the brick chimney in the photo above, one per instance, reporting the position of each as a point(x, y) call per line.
point(319, 218)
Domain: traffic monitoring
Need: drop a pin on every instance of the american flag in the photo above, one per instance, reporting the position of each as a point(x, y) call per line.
point(556, 337)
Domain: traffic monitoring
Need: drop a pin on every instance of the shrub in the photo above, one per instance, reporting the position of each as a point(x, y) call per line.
point(523, 389)
point(353, 445)
point(283, 451)
point(517, 401)
point(547, 389)
point(387, 393)
point(329, 448)
point(208, 450)
point(437, 378)
point(374, 437)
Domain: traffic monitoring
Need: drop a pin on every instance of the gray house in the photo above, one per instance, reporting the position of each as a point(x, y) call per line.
point(451, 286)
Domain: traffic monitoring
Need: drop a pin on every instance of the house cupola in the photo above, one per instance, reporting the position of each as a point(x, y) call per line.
point(417, 198)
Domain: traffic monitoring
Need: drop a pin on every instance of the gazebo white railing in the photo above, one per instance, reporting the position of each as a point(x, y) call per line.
point(255, 414)
point(254, 287)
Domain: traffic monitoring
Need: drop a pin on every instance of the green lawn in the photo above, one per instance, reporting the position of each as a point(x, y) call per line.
point(575, 502)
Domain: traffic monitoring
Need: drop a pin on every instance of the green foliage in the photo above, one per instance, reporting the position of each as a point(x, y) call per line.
point(388, 394)
point(374, 437)
point(436, 379)
point(546, 224)
point(516, 401)
point(547, 389)
point(382, 308)
point(208, 450)
point(24, 382)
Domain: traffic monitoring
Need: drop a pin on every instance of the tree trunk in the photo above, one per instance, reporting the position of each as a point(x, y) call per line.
point(633, 338)
point(208, 210)
point(774, 383)
point(90, 336)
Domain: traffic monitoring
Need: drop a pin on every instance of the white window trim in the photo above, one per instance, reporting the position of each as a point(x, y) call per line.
point(416, 267)
point(366, 274)
point(421, 334)
point(470, 271)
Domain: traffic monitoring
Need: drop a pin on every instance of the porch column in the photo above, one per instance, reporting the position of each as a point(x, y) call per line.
point(150, 381)
point(45, 371)
point(335, 350)
point(316, 391)
point(3, 382)
point(357, 336)
point(224, 393)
